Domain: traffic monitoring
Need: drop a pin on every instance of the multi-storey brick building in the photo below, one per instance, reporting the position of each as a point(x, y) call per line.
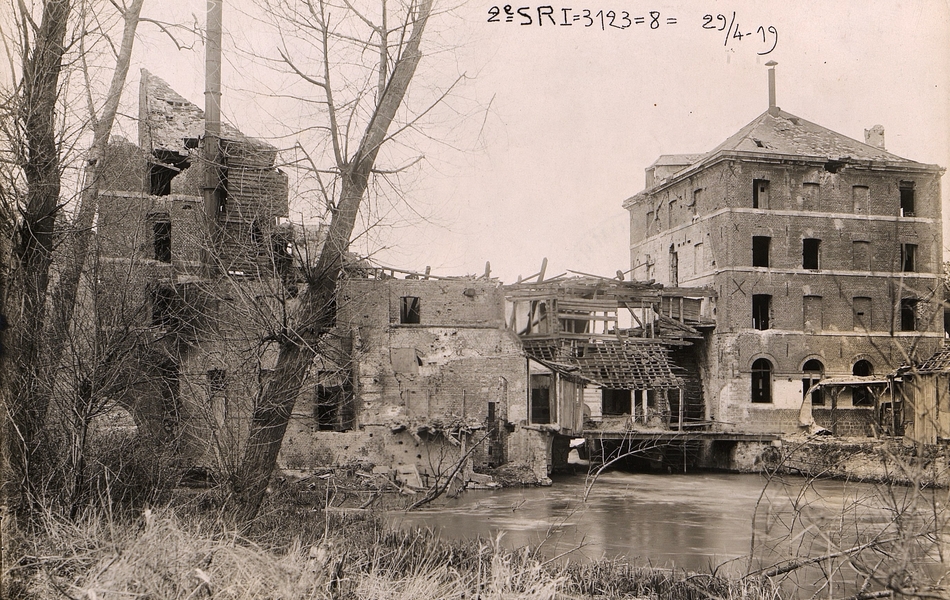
point(825, 253)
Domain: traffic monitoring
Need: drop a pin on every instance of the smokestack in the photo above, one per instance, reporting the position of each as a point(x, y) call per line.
point(211, 147)
point(773, 109)
point(213, 69)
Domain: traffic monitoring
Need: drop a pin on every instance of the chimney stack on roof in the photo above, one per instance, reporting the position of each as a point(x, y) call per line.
point(773, 109)
point(875, 136)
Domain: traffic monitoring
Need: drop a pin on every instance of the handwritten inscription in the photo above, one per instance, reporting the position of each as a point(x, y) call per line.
point(765, 35)
point(734, 31)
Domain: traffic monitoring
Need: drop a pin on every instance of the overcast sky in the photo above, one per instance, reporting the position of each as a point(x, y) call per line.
point(560, 122)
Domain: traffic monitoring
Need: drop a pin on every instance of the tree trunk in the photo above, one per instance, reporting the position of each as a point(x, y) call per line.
point(25, 303)
point(317, 310)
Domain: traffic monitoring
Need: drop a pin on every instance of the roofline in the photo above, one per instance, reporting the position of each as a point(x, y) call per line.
point(745, 155)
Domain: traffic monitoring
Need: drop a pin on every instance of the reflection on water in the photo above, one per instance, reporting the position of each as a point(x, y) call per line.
point(685, 521)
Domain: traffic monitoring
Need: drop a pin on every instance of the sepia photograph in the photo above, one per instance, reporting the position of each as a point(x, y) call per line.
point(427, 299)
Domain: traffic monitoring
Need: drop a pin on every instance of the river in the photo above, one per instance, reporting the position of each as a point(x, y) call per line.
point(693, 521)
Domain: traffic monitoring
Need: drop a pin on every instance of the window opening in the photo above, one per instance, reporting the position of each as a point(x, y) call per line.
point(761, 309)
point(908, 258)
point(540, 399)
point(762, 381)
point(813, 371)
point(217, 382)
point(410, 310)
point(616, 402)
point(908, 314)
point(163, 299)
point(760, 250)
point(760, 193)
point(811, 249)
point(861, 395)
point(162, 231)
point(907, 198)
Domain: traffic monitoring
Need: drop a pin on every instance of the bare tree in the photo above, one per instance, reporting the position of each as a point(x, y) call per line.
point(398, 50)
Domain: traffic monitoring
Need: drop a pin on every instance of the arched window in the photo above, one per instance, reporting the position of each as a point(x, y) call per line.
point(762, 380)
point(861, 395)
point(812, 372)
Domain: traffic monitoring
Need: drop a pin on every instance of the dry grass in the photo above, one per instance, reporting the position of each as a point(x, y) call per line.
point(161, 556)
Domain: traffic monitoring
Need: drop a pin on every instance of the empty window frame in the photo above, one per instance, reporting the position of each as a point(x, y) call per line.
point(811, 197)
point(861, 395)
point(333, 407)
point(908, 258)
point(760, 250)
point(908, 314)
point(861, 255)
point(812, 372)
point(162, 240)
point(907, 198)
point(410, 310)
point(861, 199)
point(812, 314)
point(163, 302)
point(616, 402)
point(762, 381)
point(217, 382)
point(861, 313)
point(540, 399)
point(811, 254)
point(760, 193)
point(761, 311)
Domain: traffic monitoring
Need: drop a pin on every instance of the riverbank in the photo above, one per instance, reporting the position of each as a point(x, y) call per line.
point(183, 554)
point(861, 459)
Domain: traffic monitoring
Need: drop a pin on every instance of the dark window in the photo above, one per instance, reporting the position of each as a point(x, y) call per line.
point(540, 399)
point(160, 180)
point(813, 371)
point(760, 193)
point(861, 317)
point(762, 381)
point(616, 402)
point(760, 250)
point(861, 395)
point(811, 250)
point(761, 310)
point(333, 409)
point(163, 240)
point(217, 382)
point(907, 198)
point(410, 310)
point(908, 258)
point(163, 301)
point(908, 314)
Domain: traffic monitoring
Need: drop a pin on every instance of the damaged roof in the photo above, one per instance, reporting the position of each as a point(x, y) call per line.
point(623, 364)
point(939, 362)
point(167, 119)
point(780, 134)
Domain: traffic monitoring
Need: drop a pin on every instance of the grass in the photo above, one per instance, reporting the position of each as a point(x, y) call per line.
point(301, 553)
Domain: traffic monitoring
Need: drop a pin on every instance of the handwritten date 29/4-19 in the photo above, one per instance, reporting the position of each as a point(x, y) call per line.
point(733, 32)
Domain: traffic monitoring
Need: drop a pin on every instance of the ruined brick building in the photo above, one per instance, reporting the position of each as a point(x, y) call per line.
point(825, 254)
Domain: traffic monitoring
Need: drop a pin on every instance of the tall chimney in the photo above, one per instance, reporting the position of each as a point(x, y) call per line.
point(773, 109)
point(212, 137)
